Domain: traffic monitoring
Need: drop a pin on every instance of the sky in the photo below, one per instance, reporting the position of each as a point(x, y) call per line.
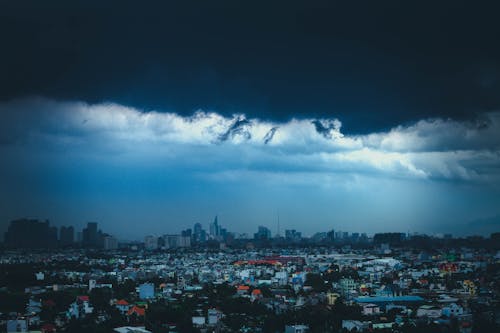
point(147, 118)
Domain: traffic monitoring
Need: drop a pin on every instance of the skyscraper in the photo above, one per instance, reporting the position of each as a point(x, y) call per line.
point(110, 243)
point(199, 235)
point(30, 234)
point(66, 236)
point(90, 236)
point(214, 228)
point(262, 233)
point(151, 242)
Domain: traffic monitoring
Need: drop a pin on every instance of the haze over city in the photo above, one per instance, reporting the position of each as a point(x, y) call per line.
point(151, 122)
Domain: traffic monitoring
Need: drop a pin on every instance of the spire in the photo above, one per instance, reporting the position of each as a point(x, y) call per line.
point(278, 231)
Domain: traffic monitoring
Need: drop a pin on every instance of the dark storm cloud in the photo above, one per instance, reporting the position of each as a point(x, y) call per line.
point(372, 64)
point(210, 142)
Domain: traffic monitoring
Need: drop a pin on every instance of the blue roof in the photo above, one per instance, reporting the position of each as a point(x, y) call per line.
point(385, 299)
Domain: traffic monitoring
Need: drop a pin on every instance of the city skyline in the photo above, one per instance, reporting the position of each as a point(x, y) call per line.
point(147, 118)
point(91, 236)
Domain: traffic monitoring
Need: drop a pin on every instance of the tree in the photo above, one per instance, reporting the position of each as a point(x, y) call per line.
point(316, 282)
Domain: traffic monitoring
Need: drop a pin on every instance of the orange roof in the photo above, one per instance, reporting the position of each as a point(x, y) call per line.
point(256, 292)
point(137, 310)
point(243, 287)
point(122, 302)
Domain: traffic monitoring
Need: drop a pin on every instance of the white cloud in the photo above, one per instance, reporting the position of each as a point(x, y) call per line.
point(430, 148)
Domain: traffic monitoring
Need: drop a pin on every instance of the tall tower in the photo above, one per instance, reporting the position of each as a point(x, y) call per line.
point(278, 229)
point(214, 228)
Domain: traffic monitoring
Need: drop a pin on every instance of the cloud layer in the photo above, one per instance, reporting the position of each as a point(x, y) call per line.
point(211, 143)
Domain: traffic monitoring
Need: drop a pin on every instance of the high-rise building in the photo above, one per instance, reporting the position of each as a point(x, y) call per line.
point(150, 242)
point(199, 235)
point(293, 235)
point(90, 237)
point(331, 235)
point(262, 233)
point(215, 229)
point(174, 241)
point(110, 243)
point(26, 233)
point(184, 241)
point(66, 236)
point(186, 233)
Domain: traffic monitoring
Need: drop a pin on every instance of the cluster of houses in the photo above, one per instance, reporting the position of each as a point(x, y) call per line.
point(402, 287)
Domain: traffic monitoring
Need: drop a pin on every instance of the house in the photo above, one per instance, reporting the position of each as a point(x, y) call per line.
point(332, 298)
point(136, 311)
point(430, 311)
point(347, 286)
point(370, 309)
point(214, 316)
point(33, 306)
point(198, 320)
point(146, 291)
point(390, 290)
point(17, 325)
point(350, 325)
point(382, 326)
point(242, 290)
point(296, 328)
point(256, 294)
point(452, 310)
point(122, 306)
point(80, 308)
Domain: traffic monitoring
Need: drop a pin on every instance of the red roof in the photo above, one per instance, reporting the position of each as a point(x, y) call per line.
point(83, 298)
point(122, 302)
point(256, 292)
point(137, 310)
point(257, 262)
point(243, 287)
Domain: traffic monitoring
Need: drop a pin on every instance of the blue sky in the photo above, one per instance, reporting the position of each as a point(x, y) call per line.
point(138, 172)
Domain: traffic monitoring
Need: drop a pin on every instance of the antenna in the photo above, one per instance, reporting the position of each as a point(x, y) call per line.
point(278, 234)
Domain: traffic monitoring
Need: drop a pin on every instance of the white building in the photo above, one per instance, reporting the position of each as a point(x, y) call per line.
point(17, 325)
point(150, 242)
point(80, 308)
point(130, 329)
point(370, 309)
point(354, 324)
point(198, 320)
point(452, 310)
point(214, 316)
point(110, 243)
point(430, 311)
point(296, 328)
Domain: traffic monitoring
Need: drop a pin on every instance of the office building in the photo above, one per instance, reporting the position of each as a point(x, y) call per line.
point(29, 233)
point(66, 236)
